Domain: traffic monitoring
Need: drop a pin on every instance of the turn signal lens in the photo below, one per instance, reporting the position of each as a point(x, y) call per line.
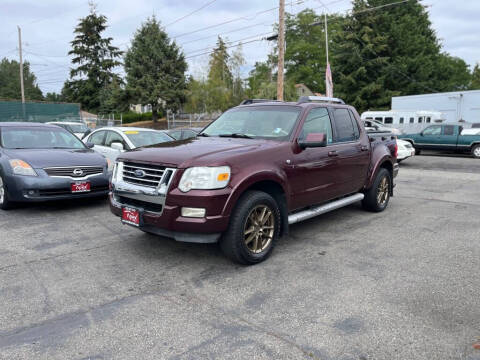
point(223, 176)
point(21, 167)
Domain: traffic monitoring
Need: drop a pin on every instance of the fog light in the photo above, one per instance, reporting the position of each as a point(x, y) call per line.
point(31, 192)
point(193, 212)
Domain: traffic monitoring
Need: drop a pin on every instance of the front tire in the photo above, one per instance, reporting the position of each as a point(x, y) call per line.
point(253, 230)
point(377, 197)
point(476, 151)
point(5, 203)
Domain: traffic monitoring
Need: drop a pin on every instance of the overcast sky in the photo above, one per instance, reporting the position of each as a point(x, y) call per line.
point(47, 27)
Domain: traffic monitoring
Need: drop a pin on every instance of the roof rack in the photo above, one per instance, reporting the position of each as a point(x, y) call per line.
point(255, 101)
point(305, 99)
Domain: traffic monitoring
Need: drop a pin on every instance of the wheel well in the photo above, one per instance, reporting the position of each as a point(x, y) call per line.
point(275, 190)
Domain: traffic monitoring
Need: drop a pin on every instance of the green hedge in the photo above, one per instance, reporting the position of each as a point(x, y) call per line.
point(132, 117)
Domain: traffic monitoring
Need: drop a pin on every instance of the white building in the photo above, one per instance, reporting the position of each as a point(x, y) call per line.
point(454, 106)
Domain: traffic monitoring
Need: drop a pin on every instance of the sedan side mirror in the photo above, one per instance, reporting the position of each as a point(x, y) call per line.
point(313, 140)
point(89, 145)
point(117, 145)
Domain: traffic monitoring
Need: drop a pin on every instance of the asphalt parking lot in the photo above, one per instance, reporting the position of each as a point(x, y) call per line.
point(403, 284)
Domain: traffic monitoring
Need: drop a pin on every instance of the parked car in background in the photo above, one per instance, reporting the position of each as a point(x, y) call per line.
point(472, 131)
point(41, 162)
point(405, 150)
point(252, 172)
point(77, 128)
point(444, 137)
point(182, 134)
point(373, 125)
point(112, 141)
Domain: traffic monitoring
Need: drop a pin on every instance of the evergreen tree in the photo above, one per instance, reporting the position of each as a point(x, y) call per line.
point(94, 58)
point(53, 97)
point(113, 98)
point(475, 84)
point(388, 52)
point(220, 79)
point(155, 69)
point(10, 81)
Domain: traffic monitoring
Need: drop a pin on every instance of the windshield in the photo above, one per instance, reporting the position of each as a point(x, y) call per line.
point(146, 138)
point(77, 128)
point(39, 138)
point(266, 122)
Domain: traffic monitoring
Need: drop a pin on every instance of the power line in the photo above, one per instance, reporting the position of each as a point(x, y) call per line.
point(191, 13)
point(227, 47)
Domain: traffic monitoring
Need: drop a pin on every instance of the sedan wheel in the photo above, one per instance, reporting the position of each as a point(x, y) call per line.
point(476, 151)
point(4, 202)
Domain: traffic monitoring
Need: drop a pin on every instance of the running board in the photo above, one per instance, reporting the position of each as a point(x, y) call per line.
point(322, 209)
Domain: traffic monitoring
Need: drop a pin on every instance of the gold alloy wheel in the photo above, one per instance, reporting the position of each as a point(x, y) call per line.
point(259, 229)
point(383, 191)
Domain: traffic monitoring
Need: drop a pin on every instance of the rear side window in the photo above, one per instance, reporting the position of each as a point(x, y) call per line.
point(112, 137)
point(344, 126)
point(97, 138)
point(448, 130)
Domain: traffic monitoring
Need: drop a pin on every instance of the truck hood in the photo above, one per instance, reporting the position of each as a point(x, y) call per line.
point(201, 151)
point(41, 158)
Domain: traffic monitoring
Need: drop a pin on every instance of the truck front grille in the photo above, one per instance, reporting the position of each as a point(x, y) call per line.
point(74, 171)
point(142, 174)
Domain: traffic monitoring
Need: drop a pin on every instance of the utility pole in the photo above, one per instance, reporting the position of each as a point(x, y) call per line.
point(21, 63)
point(281, 49)
point(326, 34)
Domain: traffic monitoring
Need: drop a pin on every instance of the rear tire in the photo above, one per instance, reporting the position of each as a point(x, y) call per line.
point(476, 151)
point(377, 197)
point(417, 151)
point(5, 203)
point(254, 228)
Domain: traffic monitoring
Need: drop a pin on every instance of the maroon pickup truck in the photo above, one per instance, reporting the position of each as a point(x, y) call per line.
point(256, 169)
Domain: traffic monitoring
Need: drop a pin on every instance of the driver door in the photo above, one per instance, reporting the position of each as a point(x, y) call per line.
point(313, 180)
point(113, 136)
point(430, 138)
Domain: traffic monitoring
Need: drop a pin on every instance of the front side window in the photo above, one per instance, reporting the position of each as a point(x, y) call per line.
point(112, 137)
point(344, 125)
point(317, 122)
point(265, 122)
point(97, 138)
point(39, 138)
point(433, 130)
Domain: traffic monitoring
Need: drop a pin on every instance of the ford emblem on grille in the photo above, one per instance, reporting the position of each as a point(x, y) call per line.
point(77, 172)
point(140, 173)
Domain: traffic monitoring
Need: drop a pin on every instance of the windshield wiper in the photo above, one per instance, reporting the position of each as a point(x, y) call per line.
point(203, 134)
point(236, 135)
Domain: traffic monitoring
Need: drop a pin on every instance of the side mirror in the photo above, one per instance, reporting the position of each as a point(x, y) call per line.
point(421, 134)
point(116, 145)
point(89, 145)
point(313, 140)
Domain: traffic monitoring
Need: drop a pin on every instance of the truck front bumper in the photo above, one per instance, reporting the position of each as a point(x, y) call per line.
point(162, 216)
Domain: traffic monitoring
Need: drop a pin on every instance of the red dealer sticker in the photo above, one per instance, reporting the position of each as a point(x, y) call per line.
point(79, 187)
point(131, 216)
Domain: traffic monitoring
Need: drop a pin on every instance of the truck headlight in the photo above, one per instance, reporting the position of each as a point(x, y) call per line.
point(20, 167)
point(204, 178)
point(110, 165)
point(117, 172)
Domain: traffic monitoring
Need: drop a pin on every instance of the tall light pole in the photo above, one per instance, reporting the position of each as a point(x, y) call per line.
point(21, 63)
point(281, 49)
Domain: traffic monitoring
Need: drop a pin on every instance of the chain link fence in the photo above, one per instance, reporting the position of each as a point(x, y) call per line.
point(183, 120)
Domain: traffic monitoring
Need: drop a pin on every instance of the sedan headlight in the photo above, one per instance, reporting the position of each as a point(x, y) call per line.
point(204, 178)
point(20, 167)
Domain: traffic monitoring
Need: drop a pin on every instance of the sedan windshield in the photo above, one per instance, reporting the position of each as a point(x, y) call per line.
point(77, 128)
point(146, 138)
point(39, 138)
point(266, 122)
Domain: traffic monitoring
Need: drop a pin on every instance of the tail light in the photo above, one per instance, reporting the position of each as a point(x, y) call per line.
point(396, 150)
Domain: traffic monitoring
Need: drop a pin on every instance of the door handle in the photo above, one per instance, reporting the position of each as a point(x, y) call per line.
point(332, 153)
point(364, 148)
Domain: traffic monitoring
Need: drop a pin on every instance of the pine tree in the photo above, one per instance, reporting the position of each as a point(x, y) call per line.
point(10, 81)
point(387, 52)
point(155, 69)
point(94, 58)
point(220, 79)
